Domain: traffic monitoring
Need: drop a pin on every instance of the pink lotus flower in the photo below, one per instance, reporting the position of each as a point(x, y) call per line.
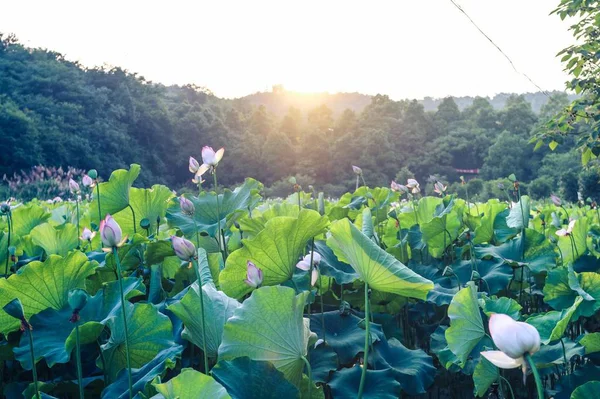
point(513, 339)
point(210, 157)
point(439, 188)
point(184, 249)
point(398, 187)
point(568, 231)
point(304, 264)
point(110, 233)
point(87, 181)
point(73, 186)
point(556, 200)
point(87, 235)
point(186, 206)
point(194, 165)
point(254, 276)
point(414, 186)
point(356, 170)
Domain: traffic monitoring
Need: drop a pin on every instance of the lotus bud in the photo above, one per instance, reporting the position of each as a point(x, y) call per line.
point(439, 188)
point(254, 276)
point(184, 249)
point(5, 208)
point(194, 165)
point(356, 170)
point(448, 272)
point(186, 206)
point(73, 186)
point(87, 181)
point(210, 157)
point(77, 300)
point(15, 309)
point(110, 232)
point(145, 223)
point(395, 186)
point(87, 234)
point(555, 200)
point(93, 174)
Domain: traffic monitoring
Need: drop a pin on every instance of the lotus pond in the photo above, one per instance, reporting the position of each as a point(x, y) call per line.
point(382, 293)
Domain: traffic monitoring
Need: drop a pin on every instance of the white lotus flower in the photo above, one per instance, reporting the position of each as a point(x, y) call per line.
point(513, 339)
point(210, 157)
point(356, 170)
point(413, 185)
point(568, 231)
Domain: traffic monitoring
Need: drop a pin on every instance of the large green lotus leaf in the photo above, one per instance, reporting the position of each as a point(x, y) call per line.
point(14, 241)
point(163, 361)
point(205, 216)
point(591, 342)
point(560, 293)
point(484, 376)
point(427, 208)
point(494, 273)
point(114, 194)
point(323, 360)
point(504, 305)
point(376, 267)
point(275, 250)
point(552, 325)
point(539, 253)
point(344, 334)
point(149, 333)
point(148, 203)
point(42, 285)
point(413, 369)
point(250, 379)
point(466, 325)
point(579, 235)
point(253, 225)
point(441, 230)
point(587, 390)
point(54, 335)
point(553, 354)
point(379, 384)
point(269, 326)
point(218, 308)
point(25, 218)
point(55, 241)
point(519, 214)
point(502, 232)
point(485, 231)
point(129, 254)
point(330, 266)
point(191, 384)
point(581, 375)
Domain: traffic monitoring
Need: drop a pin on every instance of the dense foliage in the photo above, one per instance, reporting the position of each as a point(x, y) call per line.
point(57, 113)
point(284, 289)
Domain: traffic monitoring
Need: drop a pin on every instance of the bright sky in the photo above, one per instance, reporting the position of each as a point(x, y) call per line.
point(403, 48)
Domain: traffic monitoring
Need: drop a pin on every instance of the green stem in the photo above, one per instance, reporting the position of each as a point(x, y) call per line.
point(322, 313)
point(33, 369)
point(367, 342)
point(124, 313)
point(8, 219)
point(363, 180)
point(78, 231)
point(310, 270)
point(356, 183)
point(564, 353)
point(98, 195)
point(201, 293)
point(78, 359)
point(133, 214)
point(309, 371)
point(536, 376)
point(218, 235)
point(512, 394)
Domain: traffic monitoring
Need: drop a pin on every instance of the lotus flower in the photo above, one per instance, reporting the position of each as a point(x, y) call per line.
point(304, 264)
point(254, 276)
point(555, 200)
point(194, 165)
point(414, 186)
point(513, 339)
point(398, 187)
point(110, 233)
point(184, 249)
point(87, 181)
point(87, 234)
point(210, 157)
point(73, 186)
point(186, 206)
point(356, 170)
point(439, 188)
point(568, 231)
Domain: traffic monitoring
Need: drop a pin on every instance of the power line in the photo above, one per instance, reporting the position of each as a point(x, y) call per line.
point(499, 49)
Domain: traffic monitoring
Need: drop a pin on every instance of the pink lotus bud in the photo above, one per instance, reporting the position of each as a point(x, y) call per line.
point(73, 186)
point(439, 188)
point(254, 276)
point(555, 200)
point(210, 157)
point(87, 234)
point(356, 170)
point(186, 206)
point(184, 249)
point(87, 181)
point(194, 165)
point(110, 232)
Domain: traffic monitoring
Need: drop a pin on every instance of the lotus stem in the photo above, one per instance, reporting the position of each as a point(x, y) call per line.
point(133, 215)
point(200, 284)
point(363, 376)
point(536, 375)
point(512, 394)
point(124, 313)
point(33, 369)
point(322, 313)
point(9, 221)
point(78, 359)
point(98, 195)
point(309, 371)
point(357, 181)
point(218, 234)
point(77, 208)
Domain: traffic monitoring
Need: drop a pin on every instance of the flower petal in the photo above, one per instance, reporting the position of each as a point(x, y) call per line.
point(500, 359)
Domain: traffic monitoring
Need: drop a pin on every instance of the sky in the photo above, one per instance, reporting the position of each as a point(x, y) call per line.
point(403, 48)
